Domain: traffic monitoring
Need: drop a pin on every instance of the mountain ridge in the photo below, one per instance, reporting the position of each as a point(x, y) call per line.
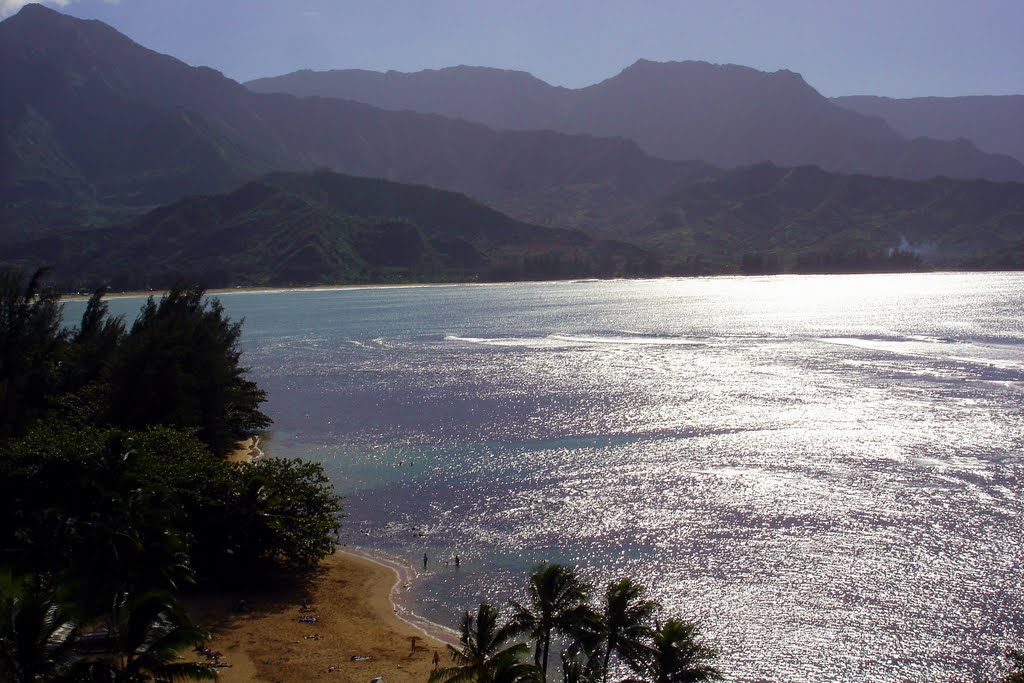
point(724, 114)
point(115, 130)
point(88, 90)
point(993, 123)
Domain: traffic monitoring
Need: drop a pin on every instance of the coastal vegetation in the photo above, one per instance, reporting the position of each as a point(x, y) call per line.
point(622, 634)
point(116, 492)
point(327, 228)
point(324, 227)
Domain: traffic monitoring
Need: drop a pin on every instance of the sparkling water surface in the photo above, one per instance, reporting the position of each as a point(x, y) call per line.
point(825, 471)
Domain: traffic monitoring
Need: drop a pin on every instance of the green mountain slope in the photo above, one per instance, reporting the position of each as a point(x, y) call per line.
point(76, 130)
point(323, 228)
point(807, 219)
point(92, 124)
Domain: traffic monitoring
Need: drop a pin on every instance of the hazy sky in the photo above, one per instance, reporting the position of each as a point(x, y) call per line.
point(899, 48)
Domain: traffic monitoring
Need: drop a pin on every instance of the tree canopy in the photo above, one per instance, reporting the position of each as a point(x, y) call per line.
point(179, 366)
point(112, 480)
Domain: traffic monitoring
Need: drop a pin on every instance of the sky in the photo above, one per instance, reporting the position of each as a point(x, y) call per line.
point(895, 48)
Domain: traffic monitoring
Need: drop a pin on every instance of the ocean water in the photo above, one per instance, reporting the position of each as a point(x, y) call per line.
point(824, 471)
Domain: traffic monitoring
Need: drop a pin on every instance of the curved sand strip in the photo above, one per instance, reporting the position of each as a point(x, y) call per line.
point(355, 617)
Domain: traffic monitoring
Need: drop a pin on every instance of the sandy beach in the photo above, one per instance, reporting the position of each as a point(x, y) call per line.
point(354, 634)
point(157, 293)
point(247, 450)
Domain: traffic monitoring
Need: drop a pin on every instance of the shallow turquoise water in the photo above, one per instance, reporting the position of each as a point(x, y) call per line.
point(824, 470)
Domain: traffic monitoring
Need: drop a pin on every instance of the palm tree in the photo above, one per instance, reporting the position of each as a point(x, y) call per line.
point(628, 620)
point(148, 632)
point(681, 656)
point(483, 657)
point(557, 604)
point(579, 667)
point(35, 639)
point(1014, 672)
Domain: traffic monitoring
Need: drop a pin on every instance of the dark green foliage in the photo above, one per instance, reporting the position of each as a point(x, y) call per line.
point(92, 509)
point(556, 605)
point(113, 511)
point(393, 244)
point(681, 655)
point(147, 633)
point(485, 655)
point(322, 227)
point(624, 627)
point(858, 261)
point(31, 346)
point(202, 487)
point(628, 620)
point(95, 507)
point(85, 380)
point(86, 515)
point(1013, 669)
point(36, 637)
point(577, 667)
point(284, 510)
point(178, 366)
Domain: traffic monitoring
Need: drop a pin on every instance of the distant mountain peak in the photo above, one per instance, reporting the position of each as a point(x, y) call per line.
point(40, 16)
point(688, 65)
point(37, 9)
point(724, 76)
point(36, 26)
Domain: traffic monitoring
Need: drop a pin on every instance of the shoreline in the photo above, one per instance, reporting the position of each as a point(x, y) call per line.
point(131, 294)
point(405, 577)
point(221, 291)
point(343, 624)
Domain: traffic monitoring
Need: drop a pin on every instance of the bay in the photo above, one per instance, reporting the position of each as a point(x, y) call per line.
point(824, 471)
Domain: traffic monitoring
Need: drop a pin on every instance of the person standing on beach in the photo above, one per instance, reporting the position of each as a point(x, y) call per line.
point(456, 561)
point(424, 560)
